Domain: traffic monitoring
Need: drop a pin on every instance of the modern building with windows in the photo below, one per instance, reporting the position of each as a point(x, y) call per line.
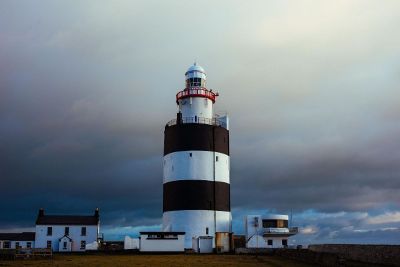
point(65, 233)
point(268, 231)
point(17, 240)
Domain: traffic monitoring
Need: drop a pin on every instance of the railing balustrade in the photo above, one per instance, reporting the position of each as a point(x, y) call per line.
point(200, 120)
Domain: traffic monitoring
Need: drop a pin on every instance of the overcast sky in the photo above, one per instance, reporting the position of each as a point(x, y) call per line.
point(311, 87)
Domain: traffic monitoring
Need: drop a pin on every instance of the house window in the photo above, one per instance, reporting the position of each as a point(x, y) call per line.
point(28, 244)
point(83, 244)
point(270, 242)
point(64, 245)
point(49, 230)
point(6, 244)
point(48, 244)
point(17, 245)
point(66, 231)
point(284, 242)
point(206, 230)
point(83, 231)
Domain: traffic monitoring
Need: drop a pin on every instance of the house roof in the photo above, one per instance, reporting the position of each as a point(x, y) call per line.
point(43, 219)
point(24, 236)
point(67, 220)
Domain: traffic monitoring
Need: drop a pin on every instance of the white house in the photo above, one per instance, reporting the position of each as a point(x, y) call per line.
point(162, 241)
point(268, 231)
point(17, 240)
point(65, 233)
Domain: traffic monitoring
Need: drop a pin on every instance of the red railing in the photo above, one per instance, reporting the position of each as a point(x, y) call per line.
point(196, 92)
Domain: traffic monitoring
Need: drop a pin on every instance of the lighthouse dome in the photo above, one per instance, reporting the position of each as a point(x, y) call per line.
point(195, 76)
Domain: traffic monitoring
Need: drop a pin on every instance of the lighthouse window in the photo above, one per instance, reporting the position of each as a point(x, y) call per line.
point(195, 81)
point(216, 158)
point(206, 230)
point(190, 154)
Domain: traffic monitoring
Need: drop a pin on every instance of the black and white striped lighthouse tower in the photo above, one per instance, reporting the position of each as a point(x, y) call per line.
point(196, 189)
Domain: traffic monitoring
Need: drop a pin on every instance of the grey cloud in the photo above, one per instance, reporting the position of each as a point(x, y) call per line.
point(86, 89)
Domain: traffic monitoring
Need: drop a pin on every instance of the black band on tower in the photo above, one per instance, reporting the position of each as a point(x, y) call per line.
point(195, 136)
point(196, 195)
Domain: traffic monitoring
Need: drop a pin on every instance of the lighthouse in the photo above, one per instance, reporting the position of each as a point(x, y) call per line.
point(196, 163)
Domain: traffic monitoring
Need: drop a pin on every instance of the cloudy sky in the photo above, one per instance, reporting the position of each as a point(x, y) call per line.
point(312, 89)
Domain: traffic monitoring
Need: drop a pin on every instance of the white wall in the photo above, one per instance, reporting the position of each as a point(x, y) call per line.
point(58, 232)
point(195, 222)
point(162, 245)
point(180, 166)
point(196, 106)
point(258, 241)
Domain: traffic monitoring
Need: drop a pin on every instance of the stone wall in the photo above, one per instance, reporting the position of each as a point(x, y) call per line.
point(388, 255)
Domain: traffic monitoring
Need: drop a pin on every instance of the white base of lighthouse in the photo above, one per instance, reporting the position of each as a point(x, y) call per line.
point(197, 223)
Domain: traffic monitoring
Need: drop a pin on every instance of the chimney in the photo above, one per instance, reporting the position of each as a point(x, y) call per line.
point(41, 212)
point(96, 212)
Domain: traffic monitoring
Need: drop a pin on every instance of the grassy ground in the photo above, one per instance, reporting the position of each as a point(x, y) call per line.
point(157, 260)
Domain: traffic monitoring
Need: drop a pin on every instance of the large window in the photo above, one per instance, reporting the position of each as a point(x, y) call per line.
point(284, 242)
point(282, 223)
point(270, 242)
point(83, 231)
point(275, 223)
point(49, 230)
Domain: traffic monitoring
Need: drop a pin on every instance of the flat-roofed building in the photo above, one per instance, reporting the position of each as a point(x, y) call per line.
point(268, 231)
point(17, 240)
point(162, 241)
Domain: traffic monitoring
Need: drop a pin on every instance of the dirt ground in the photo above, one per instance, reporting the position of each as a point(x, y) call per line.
point(157, 260)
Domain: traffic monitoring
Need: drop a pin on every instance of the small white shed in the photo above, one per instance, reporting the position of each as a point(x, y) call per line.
point(131, 243)
point(202, 244)
point(162, 241)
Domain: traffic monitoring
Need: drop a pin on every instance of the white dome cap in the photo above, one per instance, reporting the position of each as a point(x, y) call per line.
point(195, 71)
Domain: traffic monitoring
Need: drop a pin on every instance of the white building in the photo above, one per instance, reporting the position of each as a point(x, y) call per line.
point(268, 231)
point(17, 240)
point(162, 241)
point(65, 233)
point(196, 163)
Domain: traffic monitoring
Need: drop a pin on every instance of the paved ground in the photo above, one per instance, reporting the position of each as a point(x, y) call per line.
point(158, 260)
